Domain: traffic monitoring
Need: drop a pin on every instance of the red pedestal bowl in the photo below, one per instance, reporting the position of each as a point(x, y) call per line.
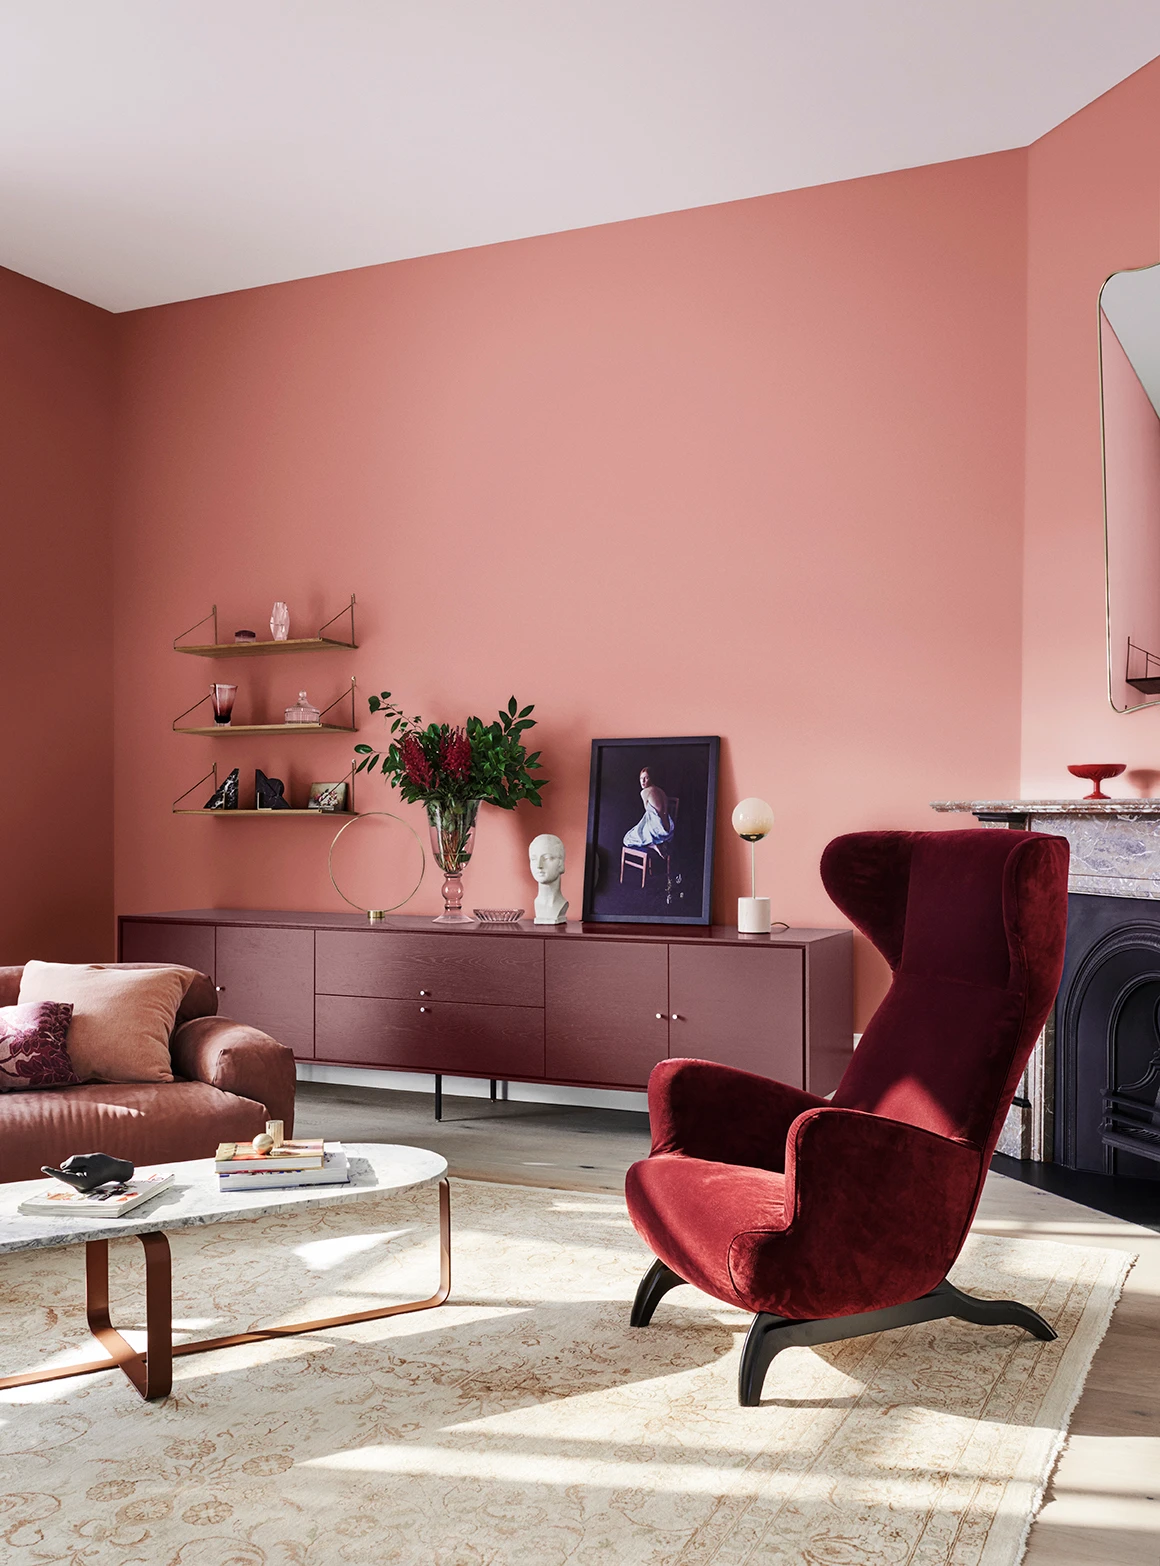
point(1095, 772)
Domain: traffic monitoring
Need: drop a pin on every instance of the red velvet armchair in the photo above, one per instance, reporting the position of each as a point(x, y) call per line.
point(830, 1219)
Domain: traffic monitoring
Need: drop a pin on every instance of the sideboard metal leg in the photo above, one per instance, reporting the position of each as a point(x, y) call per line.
point(493, 1090)
point(438, 1096)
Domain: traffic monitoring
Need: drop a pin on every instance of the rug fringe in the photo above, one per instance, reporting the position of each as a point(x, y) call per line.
point(1059, 1445)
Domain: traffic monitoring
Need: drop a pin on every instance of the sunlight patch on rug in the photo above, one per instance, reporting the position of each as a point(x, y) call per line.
point(525, 1423)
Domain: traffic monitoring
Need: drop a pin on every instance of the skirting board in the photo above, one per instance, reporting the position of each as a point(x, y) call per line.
point(472, 1087)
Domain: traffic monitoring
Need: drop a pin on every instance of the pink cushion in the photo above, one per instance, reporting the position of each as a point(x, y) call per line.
point(122, 1017)
point(33, 1052)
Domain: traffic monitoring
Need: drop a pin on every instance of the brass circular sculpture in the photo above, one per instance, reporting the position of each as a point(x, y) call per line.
point(366, 815)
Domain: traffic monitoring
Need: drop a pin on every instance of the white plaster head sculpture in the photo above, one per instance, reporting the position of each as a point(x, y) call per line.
point(546, 860)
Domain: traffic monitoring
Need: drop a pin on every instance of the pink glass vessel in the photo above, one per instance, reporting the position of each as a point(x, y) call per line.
point(452, 826)
point(223, 702)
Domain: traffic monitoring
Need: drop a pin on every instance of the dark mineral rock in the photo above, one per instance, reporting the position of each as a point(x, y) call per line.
point(226, 797)
point(269, 793)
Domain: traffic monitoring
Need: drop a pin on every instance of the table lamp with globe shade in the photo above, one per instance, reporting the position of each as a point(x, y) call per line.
point(753, 820)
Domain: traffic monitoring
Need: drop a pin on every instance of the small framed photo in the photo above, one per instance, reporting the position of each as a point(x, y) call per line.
point(330, 798)
point(652, 808)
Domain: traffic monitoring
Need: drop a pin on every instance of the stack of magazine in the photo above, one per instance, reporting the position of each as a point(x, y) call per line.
point(107, 1201)
point(240, 1168)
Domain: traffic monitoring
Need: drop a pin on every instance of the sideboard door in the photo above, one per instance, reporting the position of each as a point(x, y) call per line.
point(741, 1006)
point(266, 979)
point(602, 1003)
point(187, 945)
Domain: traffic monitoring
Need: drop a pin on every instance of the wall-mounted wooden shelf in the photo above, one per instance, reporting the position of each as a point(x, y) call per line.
point(260, 649)
point(327, 815)
point(272, 728)
point(211, 729)
point(211, 777)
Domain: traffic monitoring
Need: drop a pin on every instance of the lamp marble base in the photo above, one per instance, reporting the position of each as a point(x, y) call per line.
point(753, 916)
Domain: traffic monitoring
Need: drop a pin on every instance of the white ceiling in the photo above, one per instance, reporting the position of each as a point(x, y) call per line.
point(153, 150)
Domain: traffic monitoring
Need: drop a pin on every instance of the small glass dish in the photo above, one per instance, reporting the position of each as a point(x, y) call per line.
point(498, 915)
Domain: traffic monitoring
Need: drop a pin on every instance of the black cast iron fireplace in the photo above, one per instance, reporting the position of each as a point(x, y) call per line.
point(1107, 1039)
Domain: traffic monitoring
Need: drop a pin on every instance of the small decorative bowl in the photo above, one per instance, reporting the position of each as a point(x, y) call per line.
point(245, 636)
point(498, 915)
point(1095, 772)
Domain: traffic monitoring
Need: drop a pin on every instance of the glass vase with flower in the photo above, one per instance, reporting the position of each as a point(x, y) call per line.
point(451, 769)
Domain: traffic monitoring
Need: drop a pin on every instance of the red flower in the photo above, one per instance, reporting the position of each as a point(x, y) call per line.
point(455, 755)
point(415, 763)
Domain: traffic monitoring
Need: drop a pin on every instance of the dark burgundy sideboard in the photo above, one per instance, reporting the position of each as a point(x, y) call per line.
point(586, 1005)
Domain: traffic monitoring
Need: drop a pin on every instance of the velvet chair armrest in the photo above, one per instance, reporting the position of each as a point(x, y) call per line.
point(871, 1184)
point(705, 1110)
point(237, 1059)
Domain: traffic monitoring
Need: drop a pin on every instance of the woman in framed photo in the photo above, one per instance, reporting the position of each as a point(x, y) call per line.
point(656, 825)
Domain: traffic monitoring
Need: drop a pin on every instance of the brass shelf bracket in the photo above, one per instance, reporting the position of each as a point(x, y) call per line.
point(194, 787)
point(201, 700)
point(342, 698)
point(212, 615)
point(348, 610)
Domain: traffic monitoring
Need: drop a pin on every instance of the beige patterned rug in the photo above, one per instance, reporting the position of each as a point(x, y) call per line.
point(525, 1423)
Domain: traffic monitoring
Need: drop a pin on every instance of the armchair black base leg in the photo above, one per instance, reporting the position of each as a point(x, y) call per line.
point(768, 1335)
point(651, 1290)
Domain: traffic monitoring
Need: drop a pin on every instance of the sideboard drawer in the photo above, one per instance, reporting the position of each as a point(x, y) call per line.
point(488, 1041)
point(494, 969)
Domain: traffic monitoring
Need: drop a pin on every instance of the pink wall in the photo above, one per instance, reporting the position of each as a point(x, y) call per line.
point(1132, 487)
point(56, 405)
point(1093, 209)
point(753, 470)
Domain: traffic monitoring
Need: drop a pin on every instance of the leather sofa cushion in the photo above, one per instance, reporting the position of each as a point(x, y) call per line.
point(122, 1017)
point(150, 1123)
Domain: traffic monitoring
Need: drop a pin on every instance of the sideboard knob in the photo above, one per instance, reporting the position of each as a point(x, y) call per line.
point(675, 1017)
point(423, 993)
point(219, 988)
point(424, 1008)
point(660, 1016)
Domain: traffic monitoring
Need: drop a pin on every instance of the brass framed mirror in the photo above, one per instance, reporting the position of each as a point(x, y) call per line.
point(1129, 342)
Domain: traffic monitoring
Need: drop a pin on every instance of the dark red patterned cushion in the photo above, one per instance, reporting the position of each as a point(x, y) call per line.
point(32, 1046)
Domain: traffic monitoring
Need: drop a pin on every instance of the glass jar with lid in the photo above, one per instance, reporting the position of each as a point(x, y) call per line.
point(302, 711)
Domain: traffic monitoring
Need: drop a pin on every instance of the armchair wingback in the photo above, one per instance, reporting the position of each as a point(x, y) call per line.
point(847, 1215)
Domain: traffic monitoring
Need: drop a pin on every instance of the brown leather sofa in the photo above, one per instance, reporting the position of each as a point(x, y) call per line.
point(231, 1079)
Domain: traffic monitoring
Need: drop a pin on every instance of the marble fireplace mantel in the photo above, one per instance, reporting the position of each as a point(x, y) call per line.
point(1115, 843)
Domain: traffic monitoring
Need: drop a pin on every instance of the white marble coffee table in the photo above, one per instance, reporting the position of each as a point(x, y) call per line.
point(194, 1199)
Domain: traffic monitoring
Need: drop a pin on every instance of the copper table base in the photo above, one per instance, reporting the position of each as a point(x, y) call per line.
point(152, 1372)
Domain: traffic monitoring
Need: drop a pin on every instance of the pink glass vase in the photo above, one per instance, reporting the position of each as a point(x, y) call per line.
point(452, 826)
point(222, 697)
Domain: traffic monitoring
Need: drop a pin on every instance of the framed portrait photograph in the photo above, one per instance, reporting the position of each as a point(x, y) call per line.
point(652, 806)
